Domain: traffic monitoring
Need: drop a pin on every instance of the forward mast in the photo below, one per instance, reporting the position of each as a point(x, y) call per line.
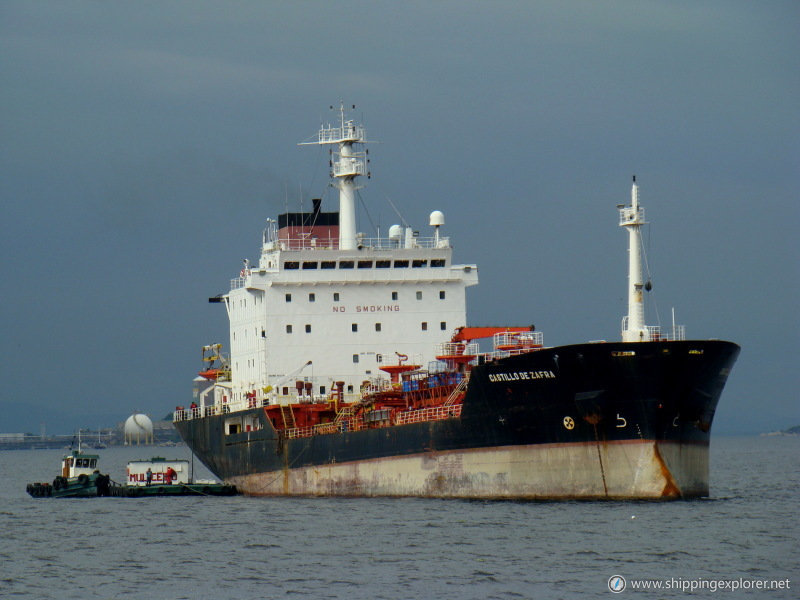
point(634, 328)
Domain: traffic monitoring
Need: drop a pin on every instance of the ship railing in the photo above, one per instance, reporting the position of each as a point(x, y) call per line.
point(211, 410)
point(350, 165)
point(499, 354)
point(344, 425)
point(416, 242)
point(627, 214)
point(375, 385)
point(656, 334)
point(436, 413)
point(676, 333)
point(308, 242)
point(378, 243)
point(518, 339)
point(456, 349)
point(356, 423)
point(350, 132)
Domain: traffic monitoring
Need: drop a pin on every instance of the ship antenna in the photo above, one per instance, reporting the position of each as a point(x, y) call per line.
point(632, 218)
point(347, 164)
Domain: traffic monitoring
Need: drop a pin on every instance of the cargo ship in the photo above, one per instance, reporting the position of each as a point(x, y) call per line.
point(352, 372)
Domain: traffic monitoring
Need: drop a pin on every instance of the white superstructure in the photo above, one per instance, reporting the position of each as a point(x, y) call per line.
point(326, 304)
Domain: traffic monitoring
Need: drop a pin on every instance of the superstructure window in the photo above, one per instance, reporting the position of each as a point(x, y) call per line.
point(346, 264)
point(365, 264)
point(443, 325)
point(354, 327)
point(312, 297)
point(377, 326)
point(437, 262)
point(355, 358)
point(394, 295)
point(308, 328)
point(419, 263)
point(291, 265)
point(419, 295)
point(335, 296)
point(288, 329)
point(310, 265)
point(401, 264)
point(424, 326)
point(441, 294)
point(328, 264)
point(288, 297)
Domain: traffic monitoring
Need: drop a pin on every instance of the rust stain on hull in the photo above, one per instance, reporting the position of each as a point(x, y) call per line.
point(671, 489)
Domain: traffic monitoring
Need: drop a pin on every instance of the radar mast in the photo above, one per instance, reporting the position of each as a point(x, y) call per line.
point(347, 163)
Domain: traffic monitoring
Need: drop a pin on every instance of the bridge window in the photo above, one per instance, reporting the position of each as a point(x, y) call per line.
point(328, 264)
point(291, 265)
point(419, 263)
point(383, 264)
point(437, 262)
point(401, 264)
point(365, 264)
point(310, 265)
point(346, 264)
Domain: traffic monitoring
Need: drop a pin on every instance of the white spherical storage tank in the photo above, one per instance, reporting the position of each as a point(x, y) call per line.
point(138, 428)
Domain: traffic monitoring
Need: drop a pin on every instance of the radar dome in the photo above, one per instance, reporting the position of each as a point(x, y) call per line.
point(138, 428)
point(437, 218)
point(395, 232)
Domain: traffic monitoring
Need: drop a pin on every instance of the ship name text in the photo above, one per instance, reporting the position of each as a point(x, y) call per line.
point(521, 376)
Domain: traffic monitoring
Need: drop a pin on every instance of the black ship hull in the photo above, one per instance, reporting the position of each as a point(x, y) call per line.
point(599, 420)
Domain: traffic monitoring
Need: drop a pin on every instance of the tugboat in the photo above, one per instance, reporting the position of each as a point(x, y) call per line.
point(158, 476)
point(79, 478)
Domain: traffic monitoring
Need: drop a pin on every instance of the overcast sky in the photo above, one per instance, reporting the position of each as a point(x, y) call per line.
point(144, 144)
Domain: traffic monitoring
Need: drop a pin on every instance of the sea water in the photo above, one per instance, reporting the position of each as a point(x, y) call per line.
point(248, 548)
